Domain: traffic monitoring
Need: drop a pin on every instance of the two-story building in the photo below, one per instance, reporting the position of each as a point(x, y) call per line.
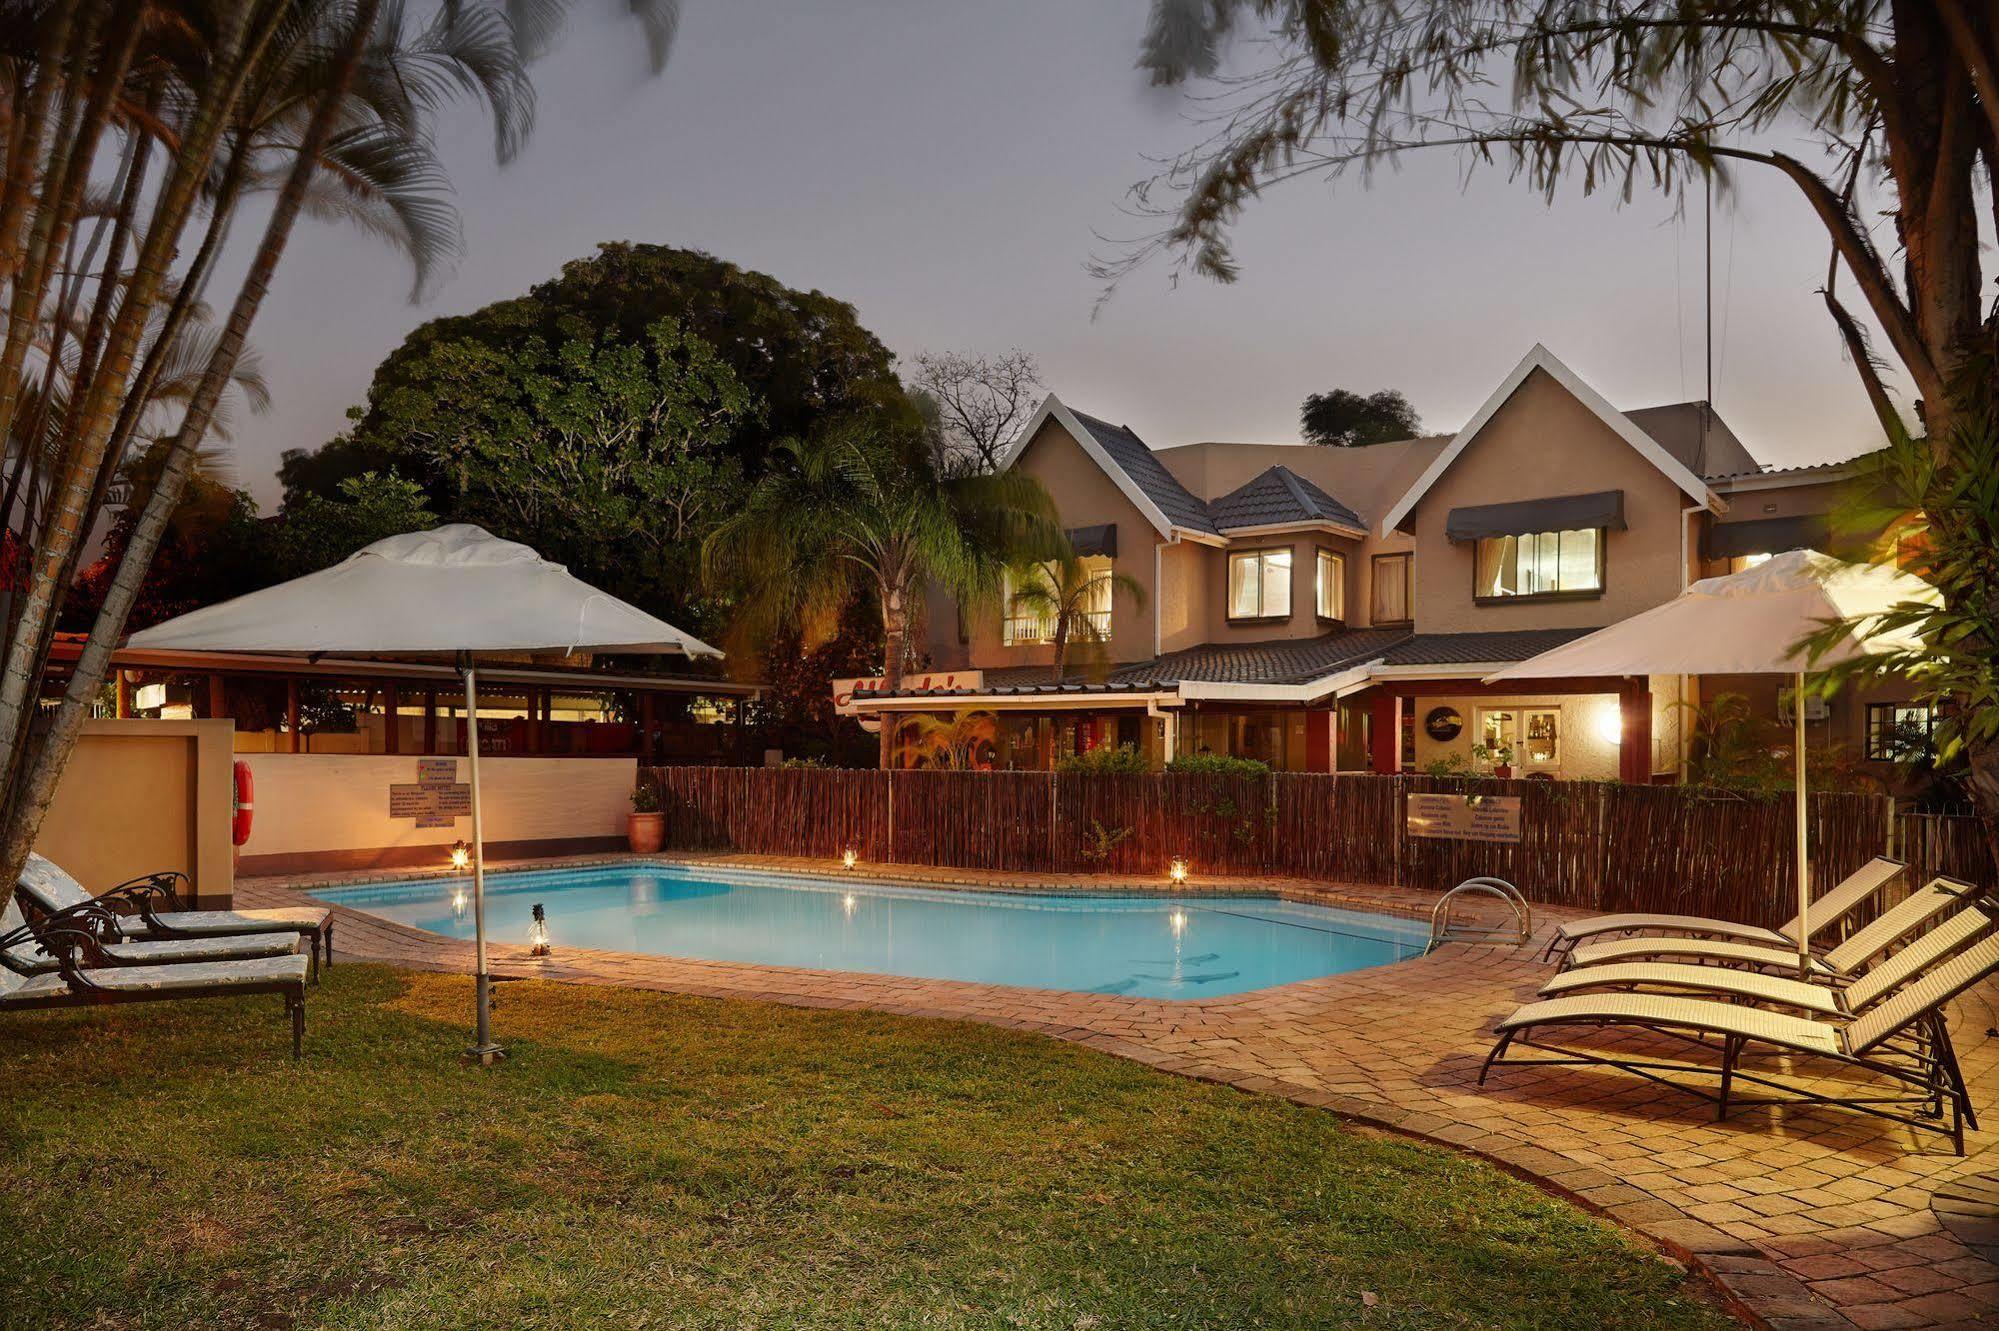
point(1329, 609)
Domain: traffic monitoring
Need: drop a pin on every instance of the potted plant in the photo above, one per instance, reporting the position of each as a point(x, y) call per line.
point(1500, 756)
point(645, 826)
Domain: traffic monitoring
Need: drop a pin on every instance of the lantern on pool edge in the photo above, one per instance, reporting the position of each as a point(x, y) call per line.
point(538, 933)
point(461, 855)
point(850, 857)
point(1177, 870)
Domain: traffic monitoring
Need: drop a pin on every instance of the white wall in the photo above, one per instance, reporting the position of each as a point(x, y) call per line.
point(311, 802)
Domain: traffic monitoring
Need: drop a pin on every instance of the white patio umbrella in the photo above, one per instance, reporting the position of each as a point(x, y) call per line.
point(1751, 623)
point(456, 589)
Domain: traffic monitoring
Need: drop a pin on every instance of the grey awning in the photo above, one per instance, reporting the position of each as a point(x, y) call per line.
point(1094, 540)
point(1605, 508)
point(1764, 536)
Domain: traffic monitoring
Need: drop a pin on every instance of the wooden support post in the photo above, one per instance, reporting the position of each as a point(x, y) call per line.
point(124, 705)
point(291, 715)
point(218, 701)
point(1386, 739)
point(1634, 750)
point(648, 757)
point(392, 721)
point(430, 721)
point(537, 701)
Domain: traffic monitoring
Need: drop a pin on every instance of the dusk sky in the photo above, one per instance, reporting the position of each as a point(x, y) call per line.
point(943, 167)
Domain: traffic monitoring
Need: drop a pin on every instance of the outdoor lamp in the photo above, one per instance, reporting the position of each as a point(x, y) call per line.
point(849, 857)
point(1177, 871)
point(461, 855)
point(538, 933)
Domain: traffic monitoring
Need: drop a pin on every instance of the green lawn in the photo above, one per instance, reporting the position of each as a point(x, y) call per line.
point(648, 1161)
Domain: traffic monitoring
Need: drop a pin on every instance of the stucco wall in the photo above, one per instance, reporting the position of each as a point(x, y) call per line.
point(1586, 751)
point(142, 796)
point(332, 810)
point(1086, 498)
point(1541, 444)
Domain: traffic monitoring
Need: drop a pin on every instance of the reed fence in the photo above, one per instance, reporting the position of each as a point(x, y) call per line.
point(1597, 845)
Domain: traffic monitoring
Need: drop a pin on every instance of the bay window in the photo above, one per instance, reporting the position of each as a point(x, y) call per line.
point(1260, 584)
point(1549, 563)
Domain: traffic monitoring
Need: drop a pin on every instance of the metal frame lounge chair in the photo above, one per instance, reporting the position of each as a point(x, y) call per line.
point(1902, 1039)
point(28, 957)
point(1855, 891)
point(1831, 1000)
point(1859, 951)
point(83, 980)
point(50, 889)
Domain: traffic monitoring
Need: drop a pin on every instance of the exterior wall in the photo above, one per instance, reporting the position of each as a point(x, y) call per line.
point(326, 811)
point(1541, 444)
point(1086, 498)
point(1185, 594)
point(143, 796)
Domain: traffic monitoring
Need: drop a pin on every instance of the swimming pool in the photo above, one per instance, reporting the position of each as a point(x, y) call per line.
point(1146, 947)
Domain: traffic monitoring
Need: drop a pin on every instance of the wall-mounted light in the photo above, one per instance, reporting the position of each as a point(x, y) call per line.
point(461, 855)
point(538, 933)
point(1177, 870)
point(850, 857)
point(1610, 724)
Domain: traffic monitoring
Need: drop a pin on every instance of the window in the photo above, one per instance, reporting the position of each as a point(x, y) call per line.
point(1741, 562)
point(1332, 585)
point(1391, 589)
point(1032, 619)
point(1260, 584)
point(1898, 732)
point(1543, 747)
point(1549, 563)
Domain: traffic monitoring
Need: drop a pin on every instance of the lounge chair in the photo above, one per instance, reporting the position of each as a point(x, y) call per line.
point(49, 889)
point(83, 979)
point(1858, 888)
point(1833, 1000)
point(28, 957)
point(1902, 1039)
point(1862, 949)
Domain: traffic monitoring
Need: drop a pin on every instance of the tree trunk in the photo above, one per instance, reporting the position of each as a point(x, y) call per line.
point(895, 634)
point(33, 797)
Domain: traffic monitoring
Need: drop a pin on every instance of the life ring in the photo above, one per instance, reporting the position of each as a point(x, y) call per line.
point(244, 807)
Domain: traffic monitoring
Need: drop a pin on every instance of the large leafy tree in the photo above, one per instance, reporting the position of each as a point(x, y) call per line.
point(1883, 115)
point(858, 511)
point(802, 355)
point(1342, 418)
point(607, 452)
point(183, 110)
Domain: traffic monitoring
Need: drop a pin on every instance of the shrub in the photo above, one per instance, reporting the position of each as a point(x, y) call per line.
point(646, 796)
point(1100, 841)
point(1218, 764)
point(1125, 759)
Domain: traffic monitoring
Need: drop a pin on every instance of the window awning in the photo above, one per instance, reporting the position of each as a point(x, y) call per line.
point(1605, 508)
point(1764, 536)
point(1089, 541)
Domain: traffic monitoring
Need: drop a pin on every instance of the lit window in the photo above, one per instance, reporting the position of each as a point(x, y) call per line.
point(1899, 732)
point(1741, 562)
point(1549, 563)
point(1260, 584)
point(1332, 585)
point(1391, 589)
point(1032, 619)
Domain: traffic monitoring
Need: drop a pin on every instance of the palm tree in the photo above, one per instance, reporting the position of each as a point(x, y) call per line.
point(953, 745)
point(860, 509)
point(1074, 599)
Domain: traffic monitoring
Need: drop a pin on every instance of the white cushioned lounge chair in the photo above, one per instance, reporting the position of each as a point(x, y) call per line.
point(150, 908)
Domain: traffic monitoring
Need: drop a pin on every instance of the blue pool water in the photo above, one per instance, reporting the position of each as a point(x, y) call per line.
point(1148, 947)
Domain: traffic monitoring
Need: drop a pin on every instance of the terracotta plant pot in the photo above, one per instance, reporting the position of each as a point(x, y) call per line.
point(1503, 772)
point(644, 832)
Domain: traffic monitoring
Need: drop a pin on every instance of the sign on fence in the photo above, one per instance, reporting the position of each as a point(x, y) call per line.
point(437, 799)
point(1465, 817)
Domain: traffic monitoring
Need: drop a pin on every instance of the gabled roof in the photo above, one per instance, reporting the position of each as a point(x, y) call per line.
point(1280, 497)
point(1129, 464)
point(1540, 358)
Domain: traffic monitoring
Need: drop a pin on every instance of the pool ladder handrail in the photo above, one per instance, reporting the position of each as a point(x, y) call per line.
point(1443, 930)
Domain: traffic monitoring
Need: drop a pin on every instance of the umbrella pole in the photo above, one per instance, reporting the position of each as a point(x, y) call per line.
point(1804, 811)
point(483, 1049)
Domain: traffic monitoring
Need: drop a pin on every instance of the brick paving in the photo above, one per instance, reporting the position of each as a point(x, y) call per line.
point(1804, 1217)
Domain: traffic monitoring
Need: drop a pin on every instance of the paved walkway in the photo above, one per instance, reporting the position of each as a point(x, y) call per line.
point(1805, 1218)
